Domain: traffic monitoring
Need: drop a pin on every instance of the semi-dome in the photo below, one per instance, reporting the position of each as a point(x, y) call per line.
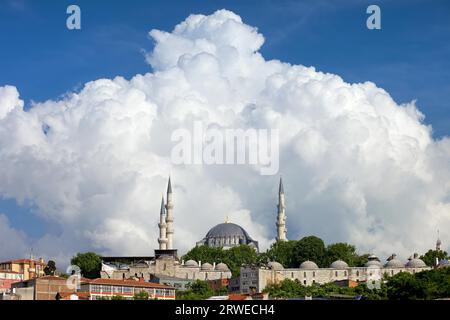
point(207, 266)
point(394, 263)
point(416, 263)
point(339, 264)
point(191, 263)
point(275, 265)
point(222, 267)
point(227, 235)
point(308, 265)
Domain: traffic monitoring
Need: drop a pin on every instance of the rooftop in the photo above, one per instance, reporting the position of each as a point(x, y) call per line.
point(129, 283)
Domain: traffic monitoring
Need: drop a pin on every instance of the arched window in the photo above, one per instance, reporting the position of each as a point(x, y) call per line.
point(336, 273)
point(314, 273)
point(304, 274)
point(357, 273)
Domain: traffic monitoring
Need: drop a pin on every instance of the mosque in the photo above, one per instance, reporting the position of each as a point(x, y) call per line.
point(165, 264)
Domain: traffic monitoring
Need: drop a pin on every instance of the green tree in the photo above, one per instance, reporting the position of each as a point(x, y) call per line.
point(50, 268)
point(117, 298)
point(142, 295)
point(198, 290)
point(282, 252)
point(235, 257)
point(310, 248)
point(205, 254)
point(90, 264)
point(345, 252)
point(430, 257)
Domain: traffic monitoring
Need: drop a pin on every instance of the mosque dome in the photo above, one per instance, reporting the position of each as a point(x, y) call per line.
point(308, 265)
point(374, 261)
point(207, 266)
point(339, 264)
point(275, 265)
point(416, 263)
point(227, 235)
point(191, 263)
point(222, 267)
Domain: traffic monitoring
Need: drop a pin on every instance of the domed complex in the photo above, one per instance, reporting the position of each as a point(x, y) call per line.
point(227, 235)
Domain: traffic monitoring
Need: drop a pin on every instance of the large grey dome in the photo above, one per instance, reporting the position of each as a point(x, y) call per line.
point(416, 263)
point(308, 265)
point(227, 235)
point(339, 264)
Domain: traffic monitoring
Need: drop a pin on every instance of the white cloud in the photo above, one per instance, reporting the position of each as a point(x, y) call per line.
point(357, 166)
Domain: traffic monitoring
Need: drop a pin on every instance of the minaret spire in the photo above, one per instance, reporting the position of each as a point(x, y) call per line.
point(169, 216)
point(438, 243)
point(162, 227)
point(281, 217)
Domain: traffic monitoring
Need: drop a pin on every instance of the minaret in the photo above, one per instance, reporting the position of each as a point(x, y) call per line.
point(438, 243)
point(169, 217)
point(281, 217)
point(162, 227)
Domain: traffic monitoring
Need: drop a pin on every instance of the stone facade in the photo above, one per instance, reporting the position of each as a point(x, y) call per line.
point(257, 278)
point(168, 266)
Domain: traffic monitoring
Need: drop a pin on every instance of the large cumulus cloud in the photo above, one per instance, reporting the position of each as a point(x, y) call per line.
point(357, 166)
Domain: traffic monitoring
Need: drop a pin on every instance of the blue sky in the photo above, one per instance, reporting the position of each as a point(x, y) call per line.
point(409, 56)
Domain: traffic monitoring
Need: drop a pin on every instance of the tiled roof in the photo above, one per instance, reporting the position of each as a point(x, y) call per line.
point(84, 295)
point(23, 261)
point(131, 283)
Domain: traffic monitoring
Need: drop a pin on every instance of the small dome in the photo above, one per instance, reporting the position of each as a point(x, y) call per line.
point(207, 266)
point(308, 265)
point(394, 263)
point(339, 264)
point(444, 263)
point(222, 267)
point(275, 265)
point(416, 263)
point(191, 263)
point(373, 263)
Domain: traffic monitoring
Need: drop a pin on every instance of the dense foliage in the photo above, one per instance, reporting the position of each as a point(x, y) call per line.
point(90, 264)
point(50, 268)
point(198, 290)
point(430, 257)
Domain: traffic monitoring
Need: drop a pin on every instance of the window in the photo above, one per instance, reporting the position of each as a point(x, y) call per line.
point(304, 274)
point(357, 273)
point(345, 273)
point(127, 290)
point(292, 275)
point(96, 288)
point(117, 289)
point(336, 273)
point(106, 288)
point(314, 273)
point(304, 282)
point(314, 281)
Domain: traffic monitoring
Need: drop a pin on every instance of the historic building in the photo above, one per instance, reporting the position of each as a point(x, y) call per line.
point(165, 263)
point(227, 235)
point(256, 278)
